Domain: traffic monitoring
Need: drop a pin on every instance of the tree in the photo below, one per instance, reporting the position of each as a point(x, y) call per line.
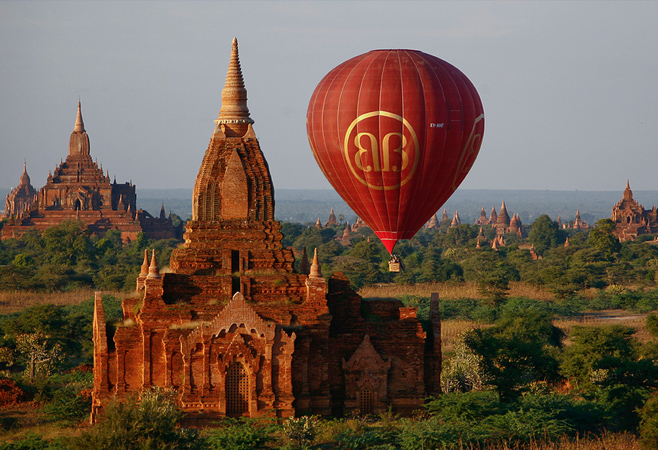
point(544, 234)
point(291, 231)
point(601, 237)
point(436, 269)
point(604, 364)
point(68, 243)
point(491, 272)
point(46, 319)
point(590, 346)
point(519, 349)
point(39, 353)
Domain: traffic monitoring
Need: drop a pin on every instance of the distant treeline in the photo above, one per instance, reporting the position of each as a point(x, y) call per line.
point(307, 205)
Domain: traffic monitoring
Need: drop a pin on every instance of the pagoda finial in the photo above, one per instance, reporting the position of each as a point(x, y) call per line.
point(79, 141)
point(628, 194)
point(154, 272)
point(234, 108)
point(145, 264)
point(79, 124)
point(316, 272)
point(25, 178)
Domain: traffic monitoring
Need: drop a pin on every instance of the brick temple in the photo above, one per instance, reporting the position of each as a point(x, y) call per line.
point(631, 218)
point(79, 190)
point(236, 331)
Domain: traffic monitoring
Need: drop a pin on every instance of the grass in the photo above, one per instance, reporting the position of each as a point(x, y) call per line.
point(29, 419)
point(452, 329)
point(610, 317)
point(11, 302)
point(451, 291)
point(607, 441)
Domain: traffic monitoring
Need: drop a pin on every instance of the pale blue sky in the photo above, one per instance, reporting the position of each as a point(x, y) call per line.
point(570, 89)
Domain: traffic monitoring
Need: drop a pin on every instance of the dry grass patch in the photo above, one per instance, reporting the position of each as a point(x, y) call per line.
point(11, 302)
point(607, 317)
point(450, 291)
point(27, 418)
point(451, 330)
point(608, 441)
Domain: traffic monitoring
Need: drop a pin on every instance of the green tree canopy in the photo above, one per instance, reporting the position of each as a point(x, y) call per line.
point(544, 234)
point(519, 349)
point(601, 237)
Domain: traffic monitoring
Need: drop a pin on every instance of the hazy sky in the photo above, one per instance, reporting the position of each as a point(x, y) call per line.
point(570, 89)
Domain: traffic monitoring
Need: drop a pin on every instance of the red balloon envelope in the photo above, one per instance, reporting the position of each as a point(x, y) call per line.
point(395, 132)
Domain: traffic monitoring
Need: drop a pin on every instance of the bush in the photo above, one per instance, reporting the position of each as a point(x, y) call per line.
point(33, 442)
point(148, 425)
point(68, 407)
point(649, 423)
point(237, 434)
point(462, 372)
point(302, 430)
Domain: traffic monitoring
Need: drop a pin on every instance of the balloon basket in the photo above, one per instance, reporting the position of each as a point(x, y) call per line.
point(394, 264)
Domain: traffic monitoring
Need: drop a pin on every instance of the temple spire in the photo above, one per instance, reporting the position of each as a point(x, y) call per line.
point(145, 265)
point(79, 124)
point(234, 108)
point(316, 271)
point(628, 194)
point(25, 178)
point(79, 142)
point(154, 272)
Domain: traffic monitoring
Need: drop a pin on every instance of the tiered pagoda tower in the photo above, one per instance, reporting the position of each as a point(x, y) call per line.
point(235, 331)
point(18, 203)
point(79, 190)
point(631, 218)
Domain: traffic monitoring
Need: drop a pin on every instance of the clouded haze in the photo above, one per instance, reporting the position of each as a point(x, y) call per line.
point(569, 88)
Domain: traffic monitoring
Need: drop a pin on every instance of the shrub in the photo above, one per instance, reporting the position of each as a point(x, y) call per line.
point(68, 407)
point(148, 425)
point(302, 430)
point(237, 434)
point(462, 372)
point(33, 442)
point(649, 424)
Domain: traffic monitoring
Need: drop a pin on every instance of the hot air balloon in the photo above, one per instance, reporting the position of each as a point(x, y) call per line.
point(395, 132)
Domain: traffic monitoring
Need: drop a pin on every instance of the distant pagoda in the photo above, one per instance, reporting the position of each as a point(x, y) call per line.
point(78, 190)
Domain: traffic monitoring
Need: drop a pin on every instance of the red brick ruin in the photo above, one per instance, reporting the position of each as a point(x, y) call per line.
point(236, 331)
point(79, 190)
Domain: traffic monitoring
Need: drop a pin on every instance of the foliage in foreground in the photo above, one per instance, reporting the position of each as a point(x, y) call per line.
point(474, 420)
point(148, 424)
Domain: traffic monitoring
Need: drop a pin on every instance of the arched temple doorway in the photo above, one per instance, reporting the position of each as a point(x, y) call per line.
point(367, 400)
point(237, 390)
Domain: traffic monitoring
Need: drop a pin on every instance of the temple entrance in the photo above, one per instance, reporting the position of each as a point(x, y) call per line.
point(77, 205)
point(237, 390)
point(367, 401)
